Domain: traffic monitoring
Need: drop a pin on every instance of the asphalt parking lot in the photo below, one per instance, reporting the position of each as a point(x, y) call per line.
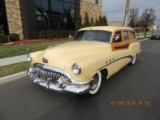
point(131, 94)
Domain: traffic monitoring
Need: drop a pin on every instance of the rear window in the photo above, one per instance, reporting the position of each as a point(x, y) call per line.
point(132, 35)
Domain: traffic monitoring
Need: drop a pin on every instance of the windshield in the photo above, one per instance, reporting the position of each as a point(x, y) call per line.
point(93, 35)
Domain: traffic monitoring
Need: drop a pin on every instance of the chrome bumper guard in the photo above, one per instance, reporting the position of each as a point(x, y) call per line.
point(56, 81)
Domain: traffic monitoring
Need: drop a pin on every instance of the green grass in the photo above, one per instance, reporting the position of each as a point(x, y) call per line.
point(13, 68)
point(142, 34)
point(22, 49)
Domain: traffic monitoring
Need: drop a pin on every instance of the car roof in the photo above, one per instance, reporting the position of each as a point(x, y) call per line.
point(107, 28)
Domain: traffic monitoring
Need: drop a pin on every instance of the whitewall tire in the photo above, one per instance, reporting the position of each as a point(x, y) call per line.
point(133, 60)
point(96, 83)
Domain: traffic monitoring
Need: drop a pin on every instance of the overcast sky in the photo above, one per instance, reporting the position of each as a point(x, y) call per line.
point(115, 9)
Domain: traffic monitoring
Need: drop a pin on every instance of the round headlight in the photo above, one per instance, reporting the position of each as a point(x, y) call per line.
point(76, 69)
point(29, 58)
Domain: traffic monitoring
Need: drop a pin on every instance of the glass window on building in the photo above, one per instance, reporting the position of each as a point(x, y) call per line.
point(1, 23)
point(55, 14)
point(72, 1)
point(67, 8)
point(57, 7)
point(3, 19)
point(42, 14)
point(67, 1)
point(96, 2)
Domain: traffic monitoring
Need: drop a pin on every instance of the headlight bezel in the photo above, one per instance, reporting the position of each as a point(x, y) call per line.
point(29, 57)
point(76, 69)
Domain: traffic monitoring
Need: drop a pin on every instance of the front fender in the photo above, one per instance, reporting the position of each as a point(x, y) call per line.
point(89, 66)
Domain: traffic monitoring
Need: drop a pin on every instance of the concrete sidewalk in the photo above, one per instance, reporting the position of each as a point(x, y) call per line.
point(12, 60)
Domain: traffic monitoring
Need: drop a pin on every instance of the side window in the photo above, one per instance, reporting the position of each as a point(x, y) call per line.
point(132, 35)
point(117, 37)
point(126, 36)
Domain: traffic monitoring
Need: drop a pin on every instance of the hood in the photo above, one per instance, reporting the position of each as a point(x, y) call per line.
point(60, 55)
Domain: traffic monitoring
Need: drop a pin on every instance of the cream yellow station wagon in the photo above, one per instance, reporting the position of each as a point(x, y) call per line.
point(79, 66)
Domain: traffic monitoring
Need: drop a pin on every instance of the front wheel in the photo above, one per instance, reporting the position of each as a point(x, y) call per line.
point(95, 83)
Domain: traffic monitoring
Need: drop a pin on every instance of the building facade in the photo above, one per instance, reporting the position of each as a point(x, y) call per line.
point(93, 8)
point(28, 17)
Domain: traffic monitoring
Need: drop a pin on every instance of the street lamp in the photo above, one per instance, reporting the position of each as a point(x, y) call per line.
point(148, 13)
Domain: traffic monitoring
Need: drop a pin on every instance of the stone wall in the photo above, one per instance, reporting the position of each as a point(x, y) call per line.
point(14, 17)
point(94, 1)
point(93, 10)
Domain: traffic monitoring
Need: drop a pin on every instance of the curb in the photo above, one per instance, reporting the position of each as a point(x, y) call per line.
point(143, 40)
point(12, 77)
point(23, 74)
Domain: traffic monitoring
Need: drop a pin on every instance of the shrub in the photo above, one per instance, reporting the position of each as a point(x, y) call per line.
point(86, 20)
point(72, 33)
point(57, 34)
point(51, 34)
point(13, 37)
point(63, 34)
point(147, 30)
point(42, 35)
point(66, 34)
point(3, 38)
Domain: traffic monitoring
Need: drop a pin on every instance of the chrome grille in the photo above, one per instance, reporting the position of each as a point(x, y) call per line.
point(43, 74)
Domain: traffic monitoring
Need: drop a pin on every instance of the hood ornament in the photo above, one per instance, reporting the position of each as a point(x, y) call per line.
point(45, 60)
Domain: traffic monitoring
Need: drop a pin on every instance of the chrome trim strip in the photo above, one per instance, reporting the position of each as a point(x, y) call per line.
point(129, 56)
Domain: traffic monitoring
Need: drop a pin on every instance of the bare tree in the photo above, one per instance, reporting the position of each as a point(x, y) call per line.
point(151, 16)
point(134, 16)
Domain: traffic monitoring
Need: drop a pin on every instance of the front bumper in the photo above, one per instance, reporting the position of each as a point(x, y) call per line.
point(56, 79)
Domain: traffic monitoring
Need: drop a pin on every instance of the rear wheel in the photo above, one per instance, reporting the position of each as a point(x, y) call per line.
point(133, 60)
point(95, 83)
